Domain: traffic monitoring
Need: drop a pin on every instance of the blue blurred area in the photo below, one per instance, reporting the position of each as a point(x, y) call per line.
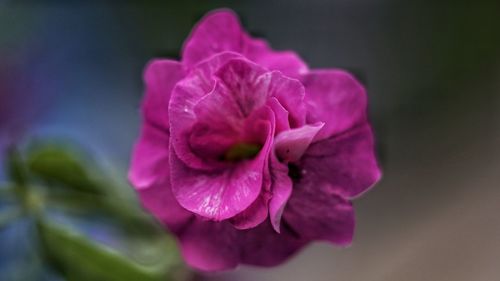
point(72, 69)
point(68, 73)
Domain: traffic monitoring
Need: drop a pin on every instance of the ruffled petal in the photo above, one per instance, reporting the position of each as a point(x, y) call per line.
point(253, 215)
point(241, 79)
point(210, 246)
point(186, 94)
point(150, 175)
point(288, 62)
point(222, 194)
point(217, 32)
point(336, 98)
point(281, 189)
point(160, 77)
point(289, 92)
point(346, 162)
point(281, 115)
point(319, 215)
point(290, 145)
point(221, 31)
point(263, 246)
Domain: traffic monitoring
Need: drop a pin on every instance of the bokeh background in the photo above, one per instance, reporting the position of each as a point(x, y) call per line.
point(71, 70)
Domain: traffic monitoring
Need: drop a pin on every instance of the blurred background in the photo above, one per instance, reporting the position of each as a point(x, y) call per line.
point(70, 89)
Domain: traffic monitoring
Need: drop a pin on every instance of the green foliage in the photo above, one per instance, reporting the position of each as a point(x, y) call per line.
point(52, 177)
point(81, 259)
point(61, 167)
point(15, 168)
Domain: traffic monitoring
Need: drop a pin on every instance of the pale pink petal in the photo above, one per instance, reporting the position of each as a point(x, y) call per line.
point(160, 77)
point(336, 98)
point(290, 145)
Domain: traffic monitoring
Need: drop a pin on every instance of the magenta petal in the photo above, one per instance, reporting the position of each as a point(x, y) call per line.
point(262, 246)
point(253, 215)
point(281, 115)
point(222, 194)
point(186, 94)
point(318, 215)
point(210, 246)
point(149, 173)
point(281, 190)
point(216, 195)
point(288, 62)
point(226, 115)
point(150, 157)
point(160, 77)
point(289, 92)
point(336, 98)
point(346, 162)
point(239, 78)
point(290, 145)
point(217, 32)
point(221, 31)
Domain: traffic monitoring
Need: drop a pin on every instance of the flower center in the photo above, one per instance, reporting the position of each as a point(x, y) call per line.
point(294, 172)
point(242, 151)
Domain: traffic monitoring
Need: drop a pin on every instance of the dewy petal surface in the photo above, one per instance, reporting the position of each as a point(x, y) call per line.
point(346, 162)
point(336, 98)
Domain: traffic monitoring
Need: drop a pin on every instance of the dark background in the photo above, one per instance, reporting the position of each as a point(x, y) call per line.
point(432, 70)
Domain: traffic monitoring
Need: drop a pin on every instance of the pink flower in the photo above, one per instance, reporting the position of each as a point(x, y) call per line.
point(245, 154)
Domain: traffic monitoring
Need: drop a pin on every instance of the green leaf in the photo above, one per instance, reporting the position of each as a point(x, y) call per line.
point(62, 167)
point(15, 167)
point(127, 214)
point(80, 259)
